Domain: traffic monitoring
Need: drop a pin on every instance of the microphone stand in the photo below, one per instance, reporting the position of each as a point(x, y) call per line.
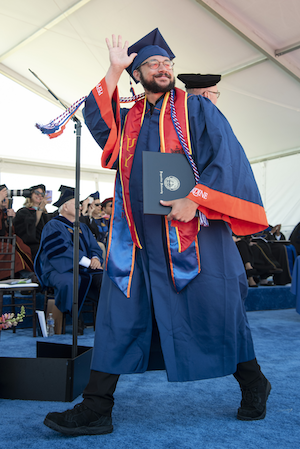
point(77, 130)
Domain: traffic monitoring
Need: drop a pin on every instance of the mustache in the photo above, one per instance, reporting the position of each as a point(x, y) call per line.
point(166, 74)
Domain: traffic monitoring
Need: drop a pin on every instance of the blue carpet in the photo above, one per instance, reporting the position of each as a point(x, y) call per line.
point(151, 413)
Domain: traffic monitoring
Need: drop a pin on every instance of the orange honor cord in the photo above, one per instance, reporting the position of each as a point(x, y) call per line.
point(161, 123)
point(131, 271)
point(197, 254)
point(178, 239)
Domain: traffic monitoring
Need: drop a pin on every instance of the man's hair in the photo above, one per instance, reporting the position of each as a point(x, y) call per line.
point(191, 90)
point(61, 207)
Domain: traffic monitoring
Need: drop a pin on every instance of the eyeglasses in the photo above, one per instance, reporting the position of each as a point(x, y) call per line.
point(97, 204)
point(37, 192)
point(216, 93)
point(153, 64)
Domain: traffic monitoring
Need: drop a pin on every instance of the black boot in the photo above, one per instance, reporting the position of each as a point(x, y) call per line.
point(254, 399)
point(79, 421)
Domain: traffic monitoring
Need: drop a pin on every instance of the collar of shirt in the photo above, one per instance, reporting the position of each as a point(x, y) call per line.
point(152, 106)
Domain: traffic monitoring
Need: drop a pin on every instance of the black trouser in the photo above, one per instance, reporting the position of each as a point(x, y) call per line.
point(98, 394)
point(248, 374)
point(245, 251)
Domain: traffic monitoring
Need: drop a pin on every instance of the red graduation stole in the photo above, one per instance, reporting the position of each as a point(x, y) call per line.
point(181, 237)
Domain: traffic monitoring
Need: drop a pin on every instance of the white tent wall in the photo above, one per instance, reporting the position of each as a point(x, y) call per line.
point(279, 184)
point(28, 157)
point(20, 110)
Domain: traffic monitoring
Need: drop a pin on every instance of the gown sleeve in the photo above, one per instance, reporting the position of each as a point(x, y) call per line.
point(104, 120)
point(227, 189)
point(25, 225)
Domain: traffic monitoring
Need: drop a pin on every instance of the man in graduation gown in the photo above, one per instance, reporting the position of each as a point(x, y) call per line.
point(54, 261)
point(169, 272)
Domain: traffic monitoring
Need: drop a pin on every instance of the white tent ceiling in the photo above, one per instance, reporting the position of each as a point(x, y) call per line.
point(254, 44)
point(63, 42)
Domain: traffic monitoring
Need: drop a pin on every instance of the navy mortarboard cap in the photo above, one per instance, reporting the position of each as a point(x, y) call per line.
point(150, 45)
point(95, 195)
point(107, 200)
point(63, 188)
point(27, 193)
point(196, 80)
point(68, 194)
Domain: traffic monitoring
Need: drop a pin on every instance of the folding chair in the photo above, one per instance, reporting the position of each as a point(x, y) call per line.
point(89, 307)
point(11, 285)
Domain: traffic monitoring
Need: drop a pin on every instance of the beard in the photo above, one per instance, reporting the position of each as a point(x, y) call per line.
point(153, 87)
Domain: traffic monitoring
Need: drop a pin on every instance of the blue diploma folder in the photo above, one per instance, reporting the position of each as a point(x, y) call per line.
point(166, 176)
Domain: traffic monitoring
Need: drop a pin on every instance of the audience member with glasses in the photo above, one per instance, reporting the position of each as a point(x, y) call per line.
point(104, 221)
point(205, 85)
point(91, 214)
point(23, 263)
point(30, 219)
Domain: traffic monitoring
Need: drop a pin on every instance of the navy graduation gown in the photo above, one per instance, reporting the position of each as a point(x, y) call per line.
point(203, 329)
point(54, 261)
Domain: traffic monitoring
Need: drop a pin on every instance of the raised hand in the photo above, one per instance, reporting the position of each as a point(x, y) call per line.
point(119, 60)
point(45, 200)
point(91, 209)
point(3, 194)
point(84, 206)
point(118, 56)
